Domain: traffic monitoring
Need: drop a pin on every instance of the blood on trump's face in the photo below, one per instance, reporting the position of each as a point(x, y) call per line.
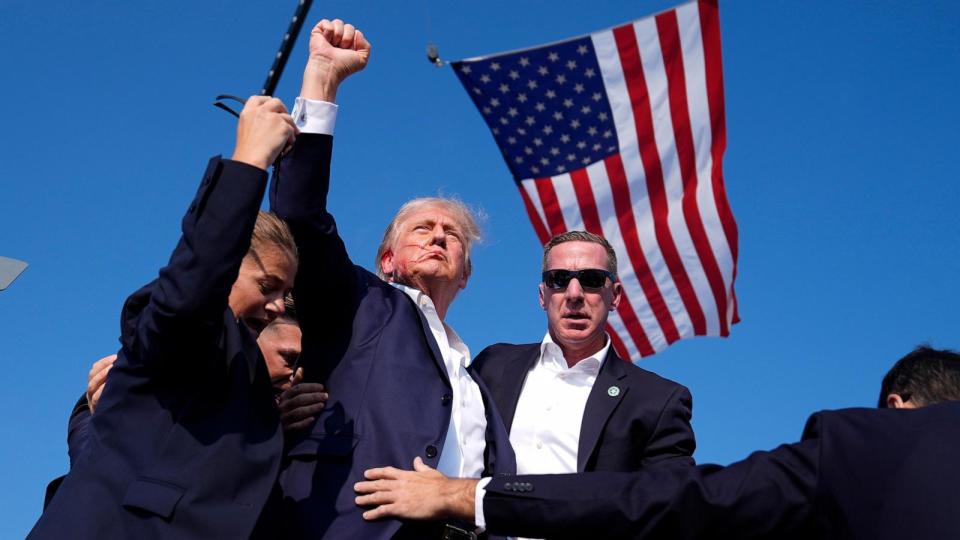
point(429, 246)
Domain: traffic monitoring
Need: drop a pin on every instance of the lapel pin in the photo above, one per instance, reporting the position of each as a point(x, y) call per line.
point(613, 391)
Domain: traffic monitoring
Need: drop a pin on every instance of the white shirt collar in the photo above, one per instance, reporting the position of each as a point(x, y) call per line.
point(551, 356)
point(426, 306)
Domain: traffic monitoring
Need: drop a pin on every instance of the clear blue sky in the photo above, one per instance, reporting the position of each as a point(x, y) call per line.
point(841, 171)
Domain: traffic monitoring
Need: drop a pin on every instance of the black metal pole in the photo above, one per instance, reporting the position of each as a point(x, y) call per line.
point(286, 47)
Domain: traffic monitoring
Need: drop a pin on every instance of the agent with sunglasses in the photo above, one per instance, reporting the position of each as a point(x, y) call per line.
point(570, 403)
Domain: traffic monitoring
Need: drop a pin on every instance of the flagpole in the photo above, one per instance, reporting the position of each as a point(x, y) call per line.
point(286, 47)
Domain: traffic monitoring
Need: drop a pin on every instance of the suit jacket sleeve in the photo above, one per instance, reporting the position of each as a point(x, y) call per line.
point(179, 317)
point(672, 440)
point(326, 285)
point(768, 495)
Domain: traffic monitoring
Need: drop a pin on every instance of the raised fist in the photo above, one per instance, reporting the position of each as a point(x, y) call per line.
point(337, 50)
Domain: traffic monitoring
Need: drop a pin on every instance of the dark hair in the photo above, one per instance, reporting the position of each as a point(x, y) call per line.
point(925, 376)
point(581, 236)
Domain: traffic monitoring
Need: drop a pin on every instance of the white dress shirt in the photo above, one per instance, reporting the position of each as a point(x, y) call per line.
point(462, 454)
point(545, 433)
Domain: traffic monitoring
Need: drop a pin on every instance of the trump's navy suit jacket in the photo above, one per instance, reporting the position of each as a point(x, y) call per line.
point(186, 441)
point(390, 397)
point(857, 474)
point(645, 421)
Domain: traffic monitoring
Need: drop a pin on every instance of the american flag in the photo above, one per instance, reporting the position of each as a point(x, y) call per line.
point(622, 133)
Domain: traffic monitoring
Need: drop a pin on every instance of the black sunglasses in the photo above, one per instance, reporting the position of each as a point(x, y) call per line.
point(589, 278)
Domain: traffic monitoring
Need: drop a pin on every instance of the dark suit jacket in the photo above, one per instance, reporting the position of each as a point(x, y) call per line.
point(186, 442)
point(390, 397)
point(647, 422)
point(857, 474)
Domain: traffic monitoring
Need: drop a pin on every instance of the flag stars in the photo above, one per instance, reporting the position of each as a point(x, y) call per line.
point(585, 161)
point(484, 78)
point(561, 168)
point(561, 78)
point(596, 147)
point(564, 138)
point(551, 94)
point(532, 84)
point(494, 102)
point(597, 96)
point(571, 64)
point(487, 110)
point(495, 66)
point(558, 116)
point(554, 151)
point(465, 69)
point(540, 107)
point(574, 124)
point(537, 141)
point(535, 169)
point(544, 161)
point(504, 121)
point(611, 148)
point(530, 121)
point(527, 150)
point(524, 61)
point(514, 74)
point(607, 134)
point(589, 73)
point(581, 145)
point(571, 157)
point(585, 109)
point(603, 116)
point(504, 88)
point(521, 97)
point(578, 88)
point(553, 56)
point(568, 103)
point(512, 111)
point(521, 131)
point(591, 131)
point(518, 159)
point(512, 140)
point(547, 130)
point(496, 131)
point(477, 90)
point(542, 70)
point(582, 49)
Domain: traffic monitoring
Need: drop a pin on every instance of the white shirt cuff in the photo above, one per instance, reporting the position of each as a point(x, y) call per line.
point(479, 520)
point(313, 116)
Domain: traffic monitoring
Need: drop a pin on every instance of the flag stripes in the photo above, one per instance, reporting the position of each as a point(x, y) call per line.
point(639, 163)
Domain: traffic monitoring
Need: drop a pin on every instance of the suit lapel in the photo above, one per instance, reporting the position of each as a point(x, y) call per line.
point(511, 383)
point(607, 392)
point(428, 335)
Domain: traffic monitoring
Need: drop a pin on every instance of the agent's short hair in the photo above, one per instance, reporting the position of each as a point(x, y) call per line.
point(581, 236)
point(270, 230)
point(925, 376)
point(465, 217)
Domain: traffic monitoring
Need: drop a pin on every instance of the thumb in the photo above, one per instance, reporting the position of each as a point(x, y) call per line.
point(420, 466)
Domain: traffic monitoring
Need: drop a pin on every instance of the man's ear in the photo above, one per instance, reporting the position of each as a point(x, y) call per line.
point(387, 265)
point(895, 401)
point(543, 302)
point(617, 295)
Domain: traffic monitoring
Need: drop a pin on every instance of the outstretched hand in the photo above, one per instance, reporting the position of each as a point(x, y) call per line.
point(421, 494)
point(337, 50)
